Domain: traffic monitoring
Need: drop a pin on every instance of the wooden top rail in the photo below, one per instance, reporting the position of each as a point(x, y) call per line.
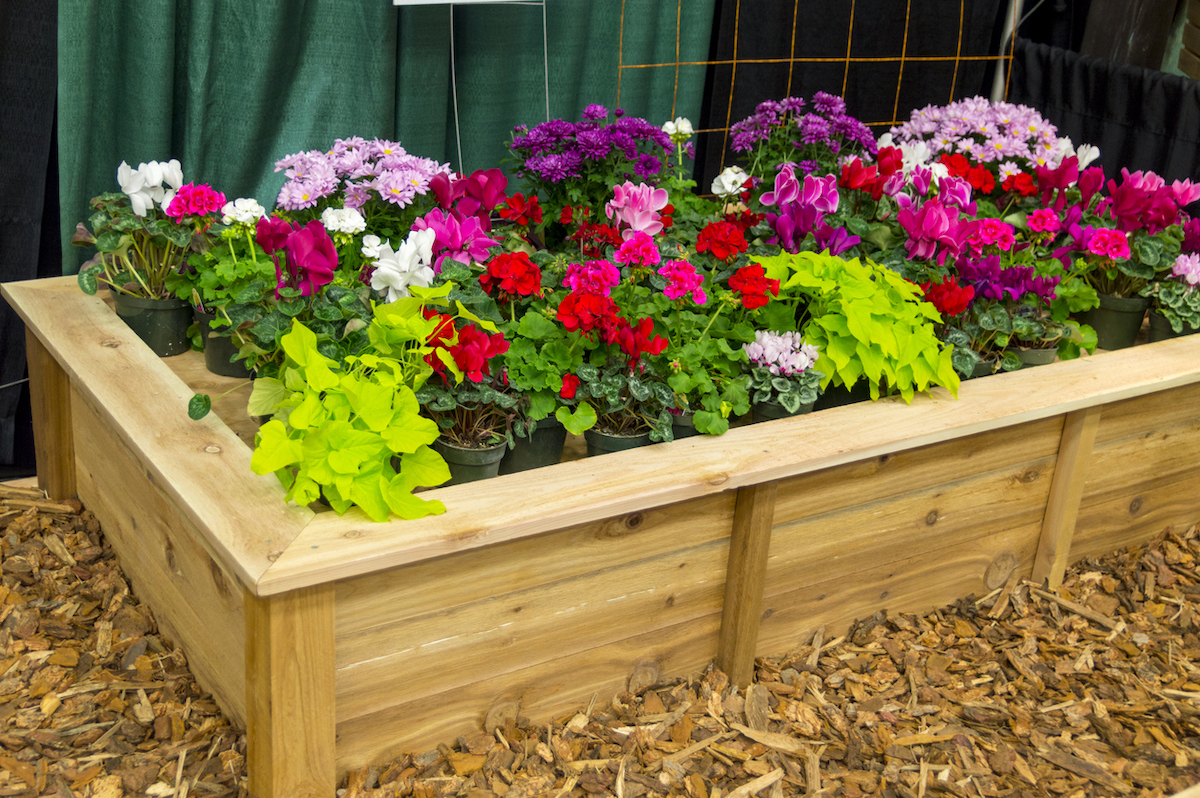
point(239, 512)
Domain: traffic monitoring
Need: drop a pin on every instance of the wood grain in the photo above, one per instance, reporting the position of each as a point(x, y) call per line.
point(197, 603)
point(1119, 464)
point(1146, 413)
point(1113, 521)
point(50, 403)
point(1066, 491)
point(745, 577)
point(290, 733)
point(201, 465)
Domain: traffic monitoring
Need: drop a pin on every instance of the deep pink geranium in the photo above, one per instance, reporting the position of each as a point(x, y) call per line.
point(1044, 220)
point(638, 250)
point(195, 200)
point(683, 279)
point(1108, 243)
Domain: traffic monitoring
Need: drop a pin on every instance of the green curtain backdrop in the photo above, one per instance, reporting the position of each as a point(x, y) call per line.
point(229, 86)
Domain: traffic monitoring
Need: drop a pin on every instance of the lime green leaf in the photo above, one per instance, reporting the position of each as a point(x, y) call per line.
point(275, 450)
point(266, 394)
point(584, 418)
point(424, 467)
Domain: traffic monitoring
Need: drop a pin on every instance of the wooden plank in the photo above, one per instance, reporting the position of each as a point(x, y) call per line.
point(229, 394)
point(388, 597)
point(458, 645)
point(903, 472)
point(1111, 522)
point(1066, 490)
point(50, 403)
point(579, 492)
point(202, 466)
point(1145, 414)
point(290, 733)
point(543, 691)
point(923, 580)
point(1119, 465)
point(893, 529)
point(196, 602)
point(745, 577)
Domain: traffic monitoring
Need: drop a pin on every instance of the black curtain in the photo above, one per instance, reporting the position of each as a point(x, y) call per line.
point(1139, 118)
point(914, 54)
point(29, 243)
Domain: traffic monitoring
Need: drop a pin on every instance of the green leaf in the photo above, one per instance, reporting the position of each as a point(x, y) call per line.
point(88, 282)
point(584, 418)
point(275, 450)
point(199, 406)
point(424, 467)
point(266, 394)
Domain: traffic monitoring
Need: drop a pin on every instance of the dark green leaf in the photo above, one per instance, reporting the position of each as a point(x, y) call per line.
point(199, 406)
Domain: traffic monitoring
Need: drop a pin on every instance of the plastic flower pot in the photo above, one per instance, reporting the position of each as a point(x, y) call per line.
point(219, 349)
point(1161, 330)
point(1117, 320)
point(543, 447)
point(839, 395)
point(683, 426)
point(604, 442)
point(982, 368)
point(1037, 357)
point(769, 411)
point(470, 465)
point(161, 323)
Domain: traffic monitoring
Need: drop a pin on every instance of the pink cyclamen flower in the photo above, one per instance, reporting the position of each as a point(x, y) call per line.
point(1044, 220)
point(787, 187)
point(635, 208)
point(463, 240)
point(195, 200)
point(593, 277)
point(1187, 268)
point(1108, 243)
point(638, 250)
point(311, 259)
point(683, 279)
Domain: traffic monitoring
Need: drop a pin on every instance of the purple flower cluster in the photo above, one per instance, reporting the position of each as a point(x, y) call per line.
point(827, 126)
point(557, 150)
point(362, 170)
point(993, 281)
point(985, 131)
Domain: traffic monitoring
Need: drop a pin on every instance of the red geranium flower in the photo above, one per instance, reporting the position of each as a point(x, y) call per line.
point(745, 219)
point(1020, 183)
point(957, 164)
point(569, 386)
point(949, 297)
point(594, 238)
point(751, 284)
point(522, 210)
point(512, 275)
point(981, 179)
point(723, 239)
point(585, 312)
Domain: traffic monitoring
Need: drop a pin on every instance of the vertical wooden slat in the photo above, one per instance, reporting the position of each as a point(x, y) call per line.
point(290, 723)
point(1066, 491)
point(753, 514)
point(50, 401)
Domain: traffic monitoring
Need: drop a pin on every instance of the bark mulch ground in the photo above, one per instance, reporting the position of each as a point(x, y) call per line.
point(1091, 690)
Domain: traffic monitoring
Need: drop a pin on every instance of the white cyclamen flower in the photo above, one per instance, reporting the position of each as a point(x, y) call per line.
point(1086, 153)
point(343, 220)
point(144, 185)
point(371, 247)
point(729, 183)
point(244, 210)
point(410, 265)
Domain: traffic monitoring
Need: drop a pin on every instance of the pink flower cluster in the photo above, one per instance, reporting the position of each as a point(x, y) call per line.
point(1187, 268)
point(683, 279)
point(634, 208)
point(935, 231)
point(992, 233)
point(638, 250)
point(594, 277)
point(463, 240)
point(195, 200)
point(1044, 220)
point(1108, 243)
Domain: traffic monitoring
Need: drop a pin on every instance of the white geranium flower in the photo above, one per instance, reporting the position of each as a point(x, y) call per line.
point(412, 264)
point(1086, 153)
point(371, 246)
point(244, 210)
point(729, 183)
point(680, 130)
point(343, 220)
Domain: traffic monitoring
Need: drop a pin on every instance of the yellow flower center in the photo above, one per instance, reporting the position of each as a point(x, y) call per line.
point(394, 190)
point(304, 197)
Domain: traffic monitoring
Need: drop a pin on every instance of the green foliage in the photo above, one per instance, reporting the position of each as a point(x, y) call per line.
point(791, 392)
point(1177, 301)
point(868, 322)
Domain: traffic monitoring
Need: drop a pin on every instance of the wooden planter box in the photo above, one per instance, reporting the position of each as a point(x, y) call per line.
point(338, 641)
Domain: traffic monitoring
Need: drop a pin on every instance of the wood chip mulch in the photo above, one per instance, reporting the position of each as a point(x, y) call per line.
point(1092, 690)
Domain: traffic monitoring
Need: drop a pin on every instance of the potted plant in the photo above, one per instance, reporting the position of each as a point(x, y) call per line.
point(784, 380)
point(1175, 308)
point(143, 235)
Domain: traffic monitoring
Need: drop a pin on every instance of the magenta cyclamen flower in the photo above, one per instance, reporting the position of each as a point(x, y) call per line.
point(1108, 243)
point(1044, 220)
point(933, 225)
point(462, 240)
point(195, 200)
point(683, 279)
point(635, 208)
point(638, 250)
point(308, 254)
point(594, 277)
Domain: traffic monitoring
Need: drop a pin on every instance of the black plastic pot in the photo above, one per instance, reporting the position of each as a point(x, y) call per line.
point(603, 442)
point(769, 411)
point(1117, 320)
point(219, 349)
point(542, 448)
point(839, 395)
point(161, 323)
point(1161, 330)
point(470, 465)
point(1037, 357)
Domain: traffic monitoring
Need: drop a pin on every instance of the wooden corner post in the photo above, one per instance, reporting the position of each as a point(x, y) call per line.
point(50, 403)
point(290, 724)
point(753, 515)
point(1066, 491)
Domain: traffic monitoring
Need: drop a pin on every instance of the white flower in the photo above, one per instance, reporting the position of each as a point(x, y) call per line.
point(343, 220)
point(144, 185)
point(410, 265)
point(679, 130)
point(244, 210)
point(370, 246)
point(729, 183)
point(1086, 153)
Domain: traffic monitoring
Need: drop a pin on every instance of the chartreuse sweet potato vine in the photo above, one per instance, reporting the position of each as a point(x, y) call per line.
point(868, 322)
point(351, 433)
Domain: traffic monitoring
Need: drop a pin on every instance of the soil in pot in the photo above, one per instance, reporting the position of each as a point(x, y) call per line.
point(1116, 321)
point(769, 411)
point(470, 465)
point(1161, 330)
point(604, 442)
point(161, 323)
point(542, 448)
